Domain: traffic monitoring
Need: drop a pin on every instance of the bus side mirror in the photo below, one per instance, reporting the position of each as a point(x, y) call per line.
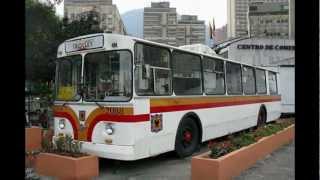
point(146, 71)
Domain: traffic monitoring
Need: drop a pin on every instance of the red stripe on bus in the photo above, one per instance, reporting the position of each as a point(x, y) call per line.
point(71, 120)
point(115, 118)
point(158, 109)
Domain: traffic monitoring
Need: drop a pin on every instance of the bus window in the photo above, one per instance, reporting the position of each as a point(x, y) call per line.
point(162, 82)
point(213, 72)
point(186, 73)
point(69, 77)
point(152, 72)
point(248, 80)
point(144, 85)
point(272, 82)
point(233, 78)
point(261, 81)
point(152, 55)
point(107, 76)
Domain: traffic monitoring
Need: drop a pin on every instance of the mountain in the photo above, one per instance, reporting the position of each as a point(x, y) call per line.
point(133, 21)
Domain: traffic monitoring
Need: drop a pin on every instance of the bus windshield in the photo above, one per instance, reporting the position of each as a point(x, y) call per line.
point(69, 78)
point(108, 76)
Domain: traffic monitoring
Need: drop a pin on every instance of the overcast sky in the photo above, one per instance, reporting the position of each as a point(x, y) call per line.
point(205, 9)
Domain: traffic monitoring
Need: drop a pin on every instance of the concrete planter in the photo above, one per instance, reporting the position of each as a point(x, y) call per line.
point(232, 164)
point(65, 167)
point(33, 137)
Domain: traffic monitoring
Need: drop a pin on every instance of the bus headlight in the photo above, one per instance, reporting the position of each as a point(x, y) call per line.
point(108, 128)
point(62, 124)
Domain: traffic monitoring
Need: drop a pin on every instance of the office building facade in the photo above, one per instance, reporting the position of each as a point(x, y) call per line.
point(268, 20)
point(190, 31)
point(237, 16)
point(160, 23)
point(221, 34)
point(108, 15)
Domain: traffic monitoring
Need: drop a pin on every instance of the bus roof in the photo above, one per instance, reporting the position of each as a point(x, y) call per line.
point(124, 37)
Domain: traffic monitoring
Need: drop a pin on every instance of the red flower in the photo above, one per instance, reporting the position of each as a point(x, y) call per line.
point(211, 144)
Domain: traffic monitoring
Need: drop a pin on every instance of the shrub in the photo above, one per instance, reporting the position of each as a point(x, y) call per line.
point(237, 140)
point(268, 130)
point(63, 145)
point(221, 148)
point(244, 139)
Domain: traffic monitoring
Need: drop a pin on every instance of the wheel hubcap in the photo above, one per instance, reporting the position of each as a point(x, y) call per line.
point(187, 136)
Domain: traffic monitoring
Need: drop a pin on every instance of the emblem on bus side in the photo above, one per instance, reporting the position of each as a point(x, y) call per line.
point(156, 123)
point(82, 115)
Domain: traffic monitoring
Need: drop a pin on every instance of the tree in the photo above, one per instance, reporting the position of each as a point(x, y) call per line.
point(87, 24)
point(42, 26)
point(44, 32)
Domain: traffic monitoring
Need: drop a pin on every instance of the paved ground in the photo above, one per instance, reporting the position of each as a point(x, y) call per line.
point(277, 166)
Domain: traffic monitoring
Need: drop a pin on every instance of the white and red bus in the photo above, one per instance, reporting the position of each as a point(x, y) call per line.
point(127, 98)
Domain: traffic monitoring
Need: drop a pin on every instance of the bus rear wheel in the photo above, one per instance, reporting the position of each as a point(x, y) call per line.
point(262, 117)
point(187, 138)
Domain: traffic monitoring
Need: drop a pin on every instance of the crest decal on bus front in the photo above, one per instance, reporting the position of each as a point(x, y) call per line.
point(156, 122)
point(82, 115)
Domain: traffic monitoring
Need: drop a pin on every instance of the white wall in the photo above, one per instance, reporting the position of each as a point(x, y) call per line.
point(287, 89)
point(260, 57)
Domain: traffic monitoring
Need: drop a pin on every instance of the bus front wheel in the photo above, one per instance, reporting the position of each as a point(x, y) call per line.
point(187, 138)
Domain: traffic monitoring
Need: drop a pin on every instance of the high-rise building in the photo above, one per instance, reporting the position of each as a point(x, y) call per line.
point(291, 19)
point(269, 20)
point(221, 34)
point(237, 16)
point(190, 30)
point(108, 14)
point(160, 23)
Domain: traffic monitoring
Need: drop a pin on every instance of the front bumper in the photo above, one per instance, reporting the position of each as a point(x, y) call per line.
point(125, 153)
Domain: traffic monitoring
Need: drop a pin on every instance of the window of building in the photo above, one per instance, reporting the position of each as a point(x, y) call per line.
point(104, 16)
point(272, 83)
point(186, 73)
point(72, 17)
point(253, 8)
point(248, 80)
point(213, 76)
point(261, 81)
point(152, 72)
point(233, 77)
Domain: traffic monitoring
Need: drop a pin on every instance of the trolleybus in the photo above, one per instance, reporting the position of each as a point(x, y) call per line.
point(127, 98)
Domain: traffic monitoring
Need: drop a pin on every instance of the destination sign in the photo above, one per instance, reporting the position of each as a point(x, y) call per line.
point(84, 44)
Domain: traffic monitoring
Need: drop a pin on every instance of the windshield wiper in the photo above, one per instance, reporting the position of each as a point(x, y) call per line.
point(98, 104)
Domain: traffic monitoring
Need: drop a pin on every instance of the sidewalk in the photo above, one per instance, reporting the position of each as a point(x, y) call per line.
point(277, 166)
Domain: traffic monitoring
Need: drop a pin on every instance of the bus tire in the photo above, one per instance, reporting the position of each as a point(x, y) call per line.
point(187, 138)
point(262, 117)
